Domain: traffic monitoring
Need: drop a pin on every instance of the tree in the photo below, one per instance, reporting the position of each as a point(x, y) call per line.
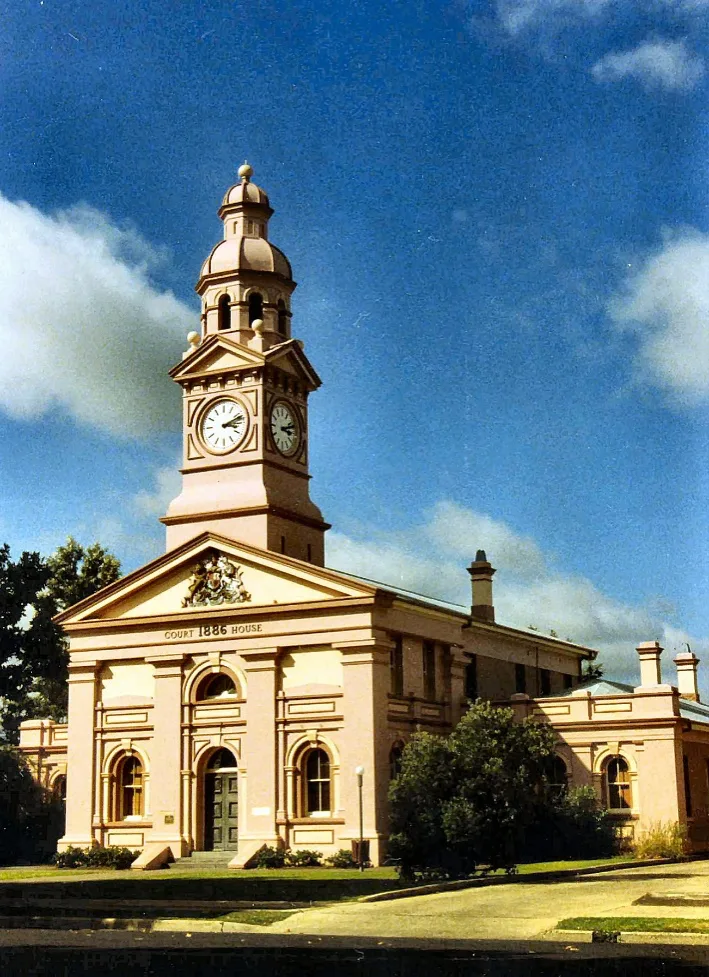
point(30, 819)
point(469, 798)
point(20, 584)
point(33, 649)
point(592, 671)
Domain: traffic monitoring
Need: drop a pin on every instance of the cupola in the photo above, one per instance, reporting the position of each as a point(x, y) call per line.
point(246, 278)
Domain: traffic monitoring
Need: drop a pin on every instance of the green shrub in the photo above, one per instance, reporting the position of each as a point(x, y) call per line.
point(303, 858)
point(269, 857)
point(574, 825)
point(71, 857)
point(342, 859)
point(112, 857)
point(469, 798)
point(663, 839)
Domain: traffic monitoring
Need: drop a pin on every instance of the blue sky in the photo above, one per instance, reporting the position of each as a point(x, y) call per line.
point(496, 213)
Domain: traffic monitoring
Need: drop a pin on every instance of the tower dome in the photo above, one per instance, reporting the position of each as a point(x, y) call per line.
point(246, 277)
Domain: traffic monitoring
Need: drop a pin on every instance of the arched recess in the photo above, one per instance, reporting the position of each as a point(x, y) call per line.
point(57, 786)
point(615, 775)
point(220, 809)
point(202, 768)
point(282, 317)
point(194, 679)
point(115, 784)
point(224, 312)
point(312, 770)
point(256, 303)
point(557, 773)
point(395, 754)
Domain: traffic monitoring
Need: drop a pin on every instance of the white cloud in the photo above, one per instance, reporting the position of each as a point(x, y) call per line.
point(665, 304)
point(168, 483)
point(82, 328)
point(431, 559)
point(655, 64)
point(454, 529)
point(518, 16)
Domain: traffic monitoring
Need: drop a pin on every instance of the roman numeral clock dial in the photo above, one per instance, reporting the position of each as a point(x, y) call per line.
point(224, 425)
point(285, 429)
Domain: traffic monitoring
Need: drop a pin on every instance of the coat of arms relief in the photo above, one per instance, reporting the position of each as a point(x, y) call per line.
point(216, 580)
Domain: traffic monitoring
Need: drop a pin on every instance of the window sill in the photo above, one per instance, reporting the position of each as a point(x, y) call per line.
point(311, 821)
point(127, 824)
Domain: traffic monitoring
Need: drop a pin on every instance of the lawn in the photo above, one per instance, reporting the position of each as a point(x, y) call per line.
point(297, 885)
point(301, 886)
point(634, 924)
point(565, 866)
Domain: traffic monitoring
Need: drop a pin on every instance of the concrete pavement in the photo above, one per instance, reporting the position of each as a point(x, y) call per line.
point(518, 911)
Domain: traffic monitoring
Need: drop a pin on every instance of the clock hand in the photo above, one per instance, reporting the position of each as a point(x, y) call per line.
point(234, 422)
point(287, 430)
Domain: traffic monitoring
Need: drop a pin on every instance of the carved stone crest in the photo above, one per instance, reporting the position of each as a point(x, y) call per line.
point(216, 580)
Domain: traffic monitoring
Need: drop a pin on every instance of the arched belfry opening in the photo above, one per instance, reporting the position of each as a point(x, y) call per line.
point(282, 318)
point(221, 802)
point(224, 321)
point(255, 306)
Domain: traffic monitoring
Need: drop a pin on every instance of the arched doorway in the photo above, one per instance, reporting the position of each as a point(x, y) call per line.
point(221, 802)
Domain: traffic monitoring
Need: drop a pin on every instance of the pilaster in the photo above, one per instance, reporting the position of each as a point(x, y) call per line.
point(257, 822)
point(165, 755)
point(80, 757)
point(365, 740)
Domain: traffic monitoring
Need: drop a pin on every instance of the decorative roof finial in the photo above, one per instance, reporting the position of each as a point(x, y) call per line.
point(245, 172)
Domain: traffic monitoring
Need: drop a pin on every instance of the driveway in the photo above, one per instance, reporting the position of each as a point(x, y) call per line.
point(515, 911)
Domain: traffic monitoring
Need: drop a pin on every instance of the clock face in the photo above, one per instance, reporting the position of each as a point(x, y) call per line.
point(285, 429)
point(224, 425)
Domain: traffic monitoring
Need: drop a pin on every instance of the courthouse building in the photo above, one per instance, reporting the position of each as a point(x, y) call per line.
point(222, 697)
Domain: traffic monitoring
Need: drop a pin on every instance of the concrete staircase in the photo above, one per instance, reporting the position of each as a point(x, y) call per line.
point(204, 860)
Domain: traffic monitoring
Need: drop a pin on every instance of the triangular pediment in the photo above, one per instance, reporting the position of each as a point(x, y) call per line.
point(247, 577)
point(217, 355)
point(291, 358)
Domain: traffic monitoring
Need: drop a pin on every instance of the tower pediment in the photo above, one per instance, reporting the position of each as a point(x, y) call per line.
point(212, 573)
point(217, 354)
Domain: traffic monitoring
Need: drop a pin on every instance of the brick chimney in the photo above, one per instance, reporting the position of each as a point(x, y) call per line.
point(481, 574)
point(686, 662)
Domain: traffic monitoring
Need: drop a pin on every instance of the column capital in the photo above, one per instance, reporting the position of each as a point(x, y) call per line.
point(83, 671)
point(259, 659)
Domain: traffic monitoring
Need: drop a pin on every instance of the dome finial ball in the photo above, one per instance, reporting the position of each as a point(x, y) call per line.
point(245, 172)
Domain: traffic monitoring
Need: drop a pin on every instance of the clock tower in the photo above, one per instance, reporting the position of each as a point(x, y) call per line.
point(245, 385)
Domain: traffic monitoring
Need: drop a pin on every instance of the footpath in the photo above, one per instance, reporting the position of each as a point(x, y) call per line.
point(529, 908)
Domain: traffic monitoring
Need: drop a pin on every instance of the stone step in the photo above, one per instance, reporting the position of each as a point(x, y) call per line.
point(205, 859)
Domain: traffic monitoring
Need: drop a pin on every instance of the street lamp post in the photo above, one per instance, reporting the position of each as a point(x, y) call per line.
point(360, 777)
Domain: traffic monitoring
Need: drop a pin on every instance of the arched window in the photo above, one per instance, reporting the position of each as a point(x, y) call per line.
point(282, 318)
point(130, 788)
point(59, 789)
point(216, 687)
point(255, 307)
point(316, 793)
point(556, 775)
point(395, 755)
point(618, 791)
point(222, 760)
point(224, 313)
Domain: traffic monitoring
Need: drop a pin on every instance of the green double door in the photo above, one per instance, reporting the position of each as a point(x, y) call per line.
point(221, 811)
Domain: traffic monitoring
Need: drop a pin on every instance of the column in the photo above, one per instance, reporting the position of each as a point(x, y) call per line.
point(365, 741)
point(166, 755)
point(80, 756)
point(257, 826)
